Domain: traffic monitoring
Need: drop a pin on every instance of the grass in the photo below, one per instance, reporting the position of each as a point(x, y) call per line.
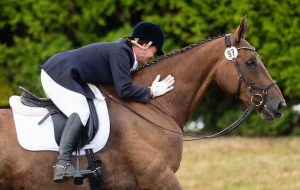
point(237, 163)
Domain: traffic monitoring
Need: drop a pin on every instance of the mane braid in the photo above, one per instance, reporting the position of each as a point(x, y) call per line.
point(176, 52)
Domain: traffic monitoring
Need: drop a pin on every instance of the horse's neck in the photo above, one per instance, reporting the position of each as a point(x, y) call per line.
point(194, 71)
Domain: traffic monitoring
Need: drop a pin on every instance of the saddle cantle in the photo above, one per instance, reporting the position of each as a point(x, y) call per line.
point(29, 99)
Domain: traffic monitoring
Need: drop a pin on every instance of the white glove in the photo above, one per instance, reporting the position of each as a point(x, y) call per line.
point(159, 88)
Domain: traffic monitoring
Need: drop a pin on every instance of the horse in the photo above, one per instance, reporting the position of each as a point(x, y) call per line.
point(144, 149)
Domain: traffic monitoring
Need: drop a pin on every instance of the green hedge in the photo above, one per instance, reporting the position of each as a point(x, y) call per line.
point(31, 31)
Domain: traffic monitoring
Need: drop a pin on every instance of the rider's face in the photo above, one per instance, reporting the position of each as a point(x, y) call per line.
point(143, 56)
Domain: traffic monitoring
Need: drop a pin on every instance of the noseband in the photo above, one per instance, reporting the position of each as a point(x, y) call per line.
point(257, 99)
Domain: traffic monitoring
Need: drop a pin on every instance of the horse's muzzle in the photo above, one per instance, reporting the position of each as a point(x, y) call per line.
point(273, 110)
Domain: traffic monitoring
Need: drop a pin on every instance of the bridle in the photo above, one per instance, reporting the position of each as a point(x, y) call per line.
point(251, 88)
point(257, 99)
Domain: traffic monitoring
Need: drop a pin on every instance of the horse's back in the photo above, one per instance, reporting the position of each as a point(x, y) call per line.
point(5, 116)
point(7, 129)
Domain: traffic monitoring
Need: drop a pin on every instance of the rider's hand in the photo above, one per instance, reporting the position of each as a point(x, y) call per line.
point(159, 88)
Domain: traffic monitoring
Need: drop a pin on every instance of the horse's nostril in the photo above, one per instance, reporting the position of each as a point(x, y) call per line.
point(281, 106)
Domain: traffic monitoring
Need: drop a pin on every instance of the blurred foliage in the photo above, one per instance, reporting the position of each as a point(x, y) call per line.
point(31, 31)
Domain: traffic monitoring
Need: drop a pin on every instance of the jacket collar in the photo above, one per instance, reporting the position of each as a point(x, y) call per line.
point(133, 60)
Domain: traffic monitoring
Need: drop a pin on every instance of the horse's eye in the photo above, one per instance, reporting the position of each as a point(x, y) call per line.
point(251, 63)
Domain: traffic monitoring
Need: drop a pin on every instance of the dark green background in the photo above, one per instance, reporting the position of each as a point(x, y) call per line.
point(33, 30)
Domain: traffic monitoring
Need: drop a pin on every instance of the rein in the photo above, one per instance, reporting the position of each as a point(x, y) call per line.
point(225, 131)
point(132, 110)
point(260, 104)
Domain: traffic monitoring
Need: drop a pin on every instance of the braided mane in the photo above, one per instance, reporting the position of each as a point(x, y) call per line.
point(177, 52)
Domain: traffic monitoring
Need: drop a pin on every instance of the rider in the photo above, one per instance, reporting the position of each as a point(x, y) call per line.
point(67, 79)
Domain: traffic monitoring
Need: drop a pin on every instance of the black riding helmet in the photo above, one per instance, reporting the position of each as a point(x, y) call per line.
point(148, 31)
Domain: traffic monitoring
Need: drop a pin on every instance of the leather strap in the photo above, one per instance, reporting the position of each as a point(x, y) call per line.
point(228, 40)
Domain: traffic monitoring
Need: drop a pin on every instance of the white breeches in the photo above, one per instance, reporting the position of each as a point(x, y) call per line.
point(66, 100)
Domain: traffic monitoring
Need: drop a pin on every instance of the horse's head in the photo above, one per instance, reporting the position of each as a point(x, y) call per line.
point(242, 72)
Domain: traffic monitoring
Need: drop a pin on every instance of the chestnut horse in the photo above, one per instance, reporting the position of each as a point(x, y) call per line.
point(145, 145)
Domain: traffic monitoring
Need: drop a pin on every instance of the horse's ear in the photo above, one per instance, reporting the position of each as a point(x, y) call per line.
point(240, 31)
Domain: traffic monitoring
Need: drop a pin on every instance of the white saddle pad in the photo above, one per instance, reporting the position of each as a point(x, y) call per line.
point(34, 137)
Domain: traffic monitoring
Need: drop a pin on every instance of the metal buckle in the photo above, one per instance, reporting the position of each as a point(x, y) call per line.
point(265, 91)
point(60, 166)
point(257, 96)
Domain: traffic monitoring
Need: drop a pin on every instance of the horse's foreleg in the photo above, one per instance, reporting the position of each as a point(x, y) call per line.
point(165, 180)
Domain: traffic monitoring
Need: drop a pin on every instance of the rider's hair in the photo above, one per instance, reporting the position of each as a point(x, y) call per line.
point(141, 42)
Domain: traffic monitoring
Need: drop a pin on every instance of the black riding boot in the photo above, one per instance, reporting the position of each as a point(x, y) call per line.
point(69, 140)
